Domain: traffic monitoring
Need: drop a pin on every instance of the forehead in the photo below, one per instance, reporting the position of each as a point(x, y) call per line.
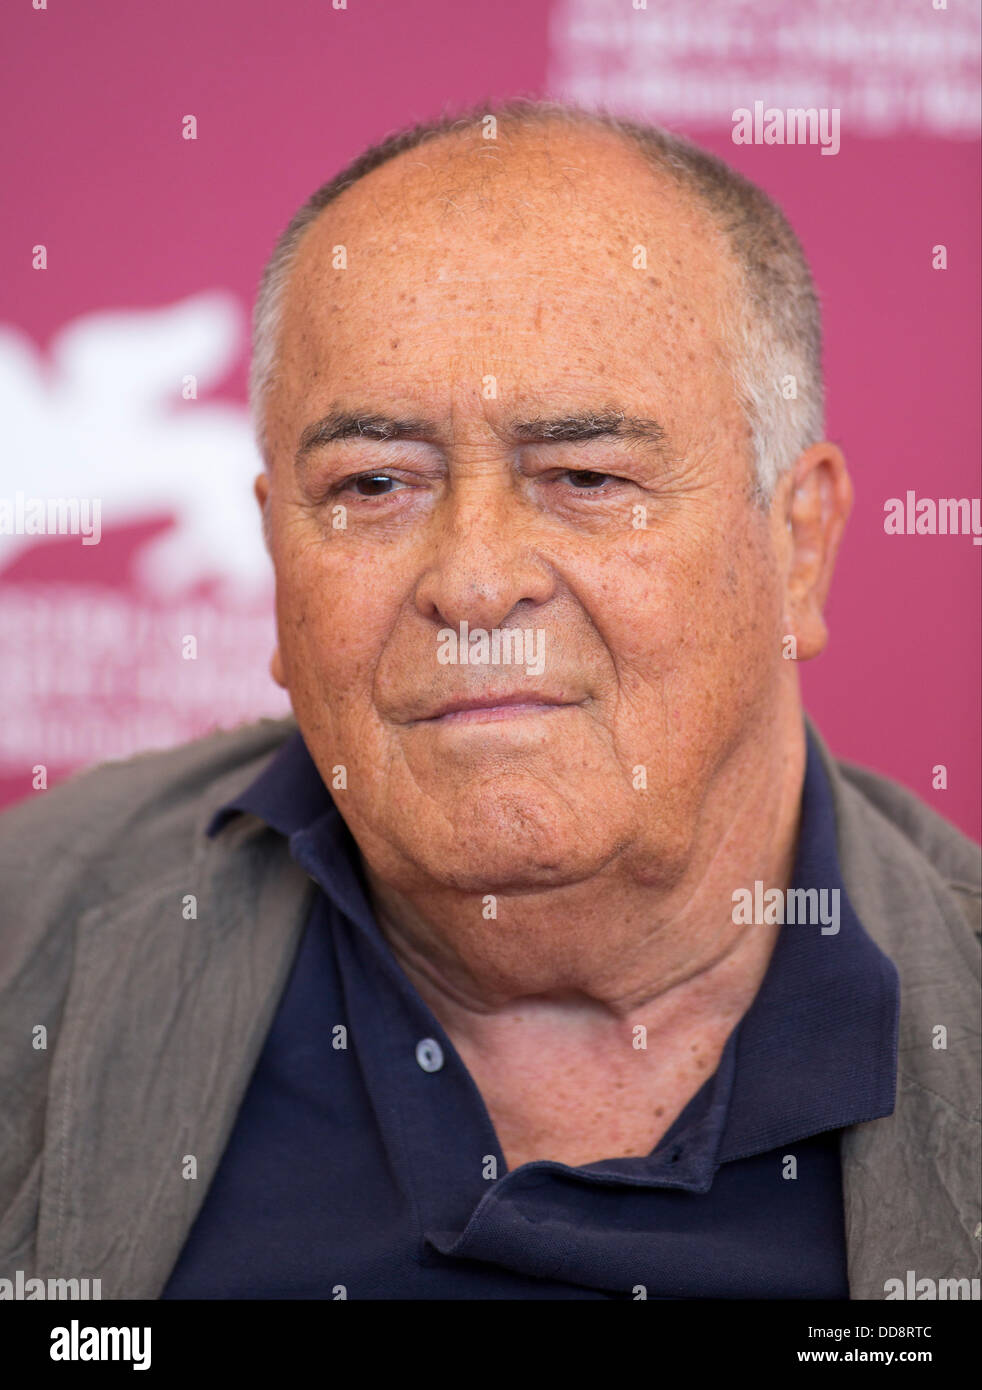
point(548, 257)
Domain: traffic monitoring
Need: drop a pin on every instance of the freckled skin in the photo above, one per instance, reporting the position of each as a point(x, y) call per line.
point(613, 903)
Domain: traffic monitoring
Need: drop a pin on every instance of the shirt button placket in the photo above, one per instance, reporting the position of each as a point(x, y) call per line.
point(429, 1054)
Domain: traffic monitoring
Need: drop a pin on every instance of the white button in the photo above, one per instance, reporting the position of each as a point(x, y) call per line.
point(429, 1054)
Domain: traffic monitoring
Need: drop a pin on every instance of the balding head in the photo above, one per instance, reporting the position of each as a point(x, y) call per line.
point(772, 326)
point(516, 274)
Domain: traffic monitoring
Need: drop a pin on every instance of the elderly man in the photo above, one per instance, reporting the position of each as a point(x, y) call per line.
point(548, 954)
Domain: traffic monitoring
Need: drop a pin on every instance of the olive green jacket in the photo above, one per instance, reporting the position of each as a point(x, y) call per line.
point(129, 1030)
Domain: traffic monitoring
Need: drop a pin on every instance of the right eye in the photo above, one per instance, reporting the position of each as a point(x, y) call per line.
point(371, 484)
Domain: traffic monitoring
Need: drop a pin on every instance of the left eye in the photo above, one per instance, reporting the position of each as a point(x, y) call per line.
point(585, 479)
point(373, 484)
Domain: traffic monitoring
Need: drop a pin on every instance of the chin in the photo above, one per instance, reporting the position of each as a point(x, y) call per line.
point(500, 870)
point(494, 844)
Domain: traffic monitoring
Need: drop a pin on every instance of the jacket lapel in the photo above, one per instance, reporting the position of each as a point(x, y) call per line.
point(910, 1178)
point(163, 1025)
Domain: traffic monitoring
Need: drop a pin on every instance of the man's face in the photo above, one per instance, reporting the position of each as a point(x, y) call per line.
point(494, 296)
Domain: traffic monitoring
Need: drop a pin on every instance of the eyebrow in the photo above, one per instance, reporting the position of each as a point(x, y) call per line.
point(595, 425)
point(342, 424)
point(613, 424)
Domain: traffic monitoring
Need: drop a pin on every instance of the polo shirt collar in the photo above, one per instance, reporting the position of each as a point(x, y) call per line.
point(816, 1051)
point(290, 797)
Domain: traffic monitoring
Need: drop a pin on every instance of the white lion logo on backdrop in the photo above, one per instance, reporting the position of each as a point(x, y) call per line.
point(103, 417)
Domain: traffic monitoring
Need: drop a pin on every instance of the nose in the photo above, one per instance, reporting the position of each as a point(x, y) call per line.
point(484, 562)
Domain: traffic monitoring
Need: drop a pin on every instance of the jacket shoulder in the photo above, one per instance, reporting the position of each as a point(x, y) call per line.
point(100, 833)
point(954, 857)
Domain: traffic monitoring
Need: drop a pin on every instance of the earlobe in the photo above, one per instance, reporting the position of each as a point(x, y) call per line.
point(820, 501)
point(276, 669)
point(809, 629)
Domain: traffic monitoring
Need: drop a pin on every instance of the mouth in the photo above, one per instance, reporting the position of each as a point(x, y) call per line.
point(483, 709)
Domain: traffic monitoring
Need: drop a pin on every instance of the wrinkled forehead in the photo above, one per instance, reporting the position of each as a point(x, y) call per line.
point(554, 249)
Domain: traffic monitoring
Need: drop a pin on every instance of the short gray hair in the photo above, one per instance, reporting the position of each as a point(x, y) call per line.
point(775, 331)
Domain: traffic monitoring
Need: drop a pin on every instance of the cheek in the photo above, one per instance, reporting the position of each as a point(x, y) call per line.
point(691, 620)
point(652, 602)
point(333, 612)
point(727, 656)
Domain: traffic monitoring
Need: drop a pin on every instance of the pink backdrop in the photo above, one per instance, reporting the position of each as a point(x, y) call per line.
point(155, 243)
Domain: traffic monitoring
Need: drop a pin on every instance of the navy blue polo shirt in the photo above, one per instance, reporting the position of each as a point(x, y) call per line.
point(363, 1162)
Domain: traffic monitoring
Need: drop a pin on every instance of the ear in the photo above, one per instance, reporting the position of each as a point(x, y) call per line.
point(260, 488)
point(810, 512)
